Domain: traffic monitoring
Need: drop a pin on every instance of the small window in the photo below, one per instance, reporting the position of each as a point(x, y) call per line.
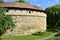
point(7, 10)
point(11, 30)
point(29, 11)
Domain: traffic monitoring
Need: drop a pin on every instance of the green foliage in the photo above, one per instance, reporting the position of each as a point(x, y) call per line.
point(23, 1)
point(1, 1)
point(58, 38)
point(53, 18)
point(6, 22)
point(55, 38)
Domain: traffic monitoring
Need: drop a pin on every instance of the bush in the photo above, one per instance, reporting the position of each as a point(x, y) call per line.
point(6, 21)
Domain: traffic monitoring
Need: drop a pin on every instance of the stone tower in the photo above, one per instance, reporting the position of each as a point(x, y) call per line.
point(28, 18)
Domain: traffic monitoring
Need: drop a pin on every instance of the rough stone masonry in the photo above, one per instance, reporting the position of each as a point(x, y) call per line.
point(27, 20)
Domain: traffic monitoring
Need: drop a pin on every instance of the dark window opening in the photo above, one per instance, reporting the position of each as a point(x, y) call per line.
point(29, 11)
point(11, 30)
point(7, 10)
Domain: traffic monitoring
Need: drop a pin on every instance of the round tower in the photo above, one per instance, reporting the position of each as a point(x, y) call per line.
point(28, 18)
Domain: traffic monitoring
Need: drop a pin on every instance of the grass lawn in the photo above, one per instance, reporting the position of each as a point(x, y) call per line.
point(55, 38)
point(28, 37)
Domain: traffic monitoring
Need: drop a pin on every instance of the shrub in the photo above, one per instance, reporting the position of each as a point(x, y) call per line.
point(6, 21)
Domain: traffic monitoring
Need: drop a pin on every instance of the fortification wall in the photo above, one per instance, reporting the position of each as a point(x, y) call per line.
point(26, 22)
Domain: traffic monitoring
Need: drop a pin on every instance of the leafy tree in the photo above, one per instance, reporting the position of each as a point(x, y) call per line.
point(53, 17)
point(1, 1)
point(6, 21)
point(22, 1)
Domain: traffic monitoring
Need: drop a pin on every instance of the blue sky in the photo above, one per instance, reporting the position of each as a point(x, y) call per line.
point(42, 3)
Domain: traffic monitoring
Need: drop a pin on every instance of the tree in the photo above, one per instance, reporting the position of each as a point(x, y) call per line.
point(6, 21)
point(53, 18)
point(1, 1)
point(22, 1)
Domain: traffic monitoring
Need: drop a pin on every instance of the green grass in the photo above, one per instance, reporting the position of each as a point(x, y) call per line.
point(55, 38)
point(28, 37)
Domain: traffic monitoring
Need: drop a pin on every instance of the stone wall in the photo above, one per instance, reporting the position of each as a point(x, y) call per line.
point(26, 23)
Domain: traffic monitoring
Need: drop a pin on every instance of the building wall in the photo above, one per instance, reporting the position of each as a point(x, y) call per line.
point(26, 22)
